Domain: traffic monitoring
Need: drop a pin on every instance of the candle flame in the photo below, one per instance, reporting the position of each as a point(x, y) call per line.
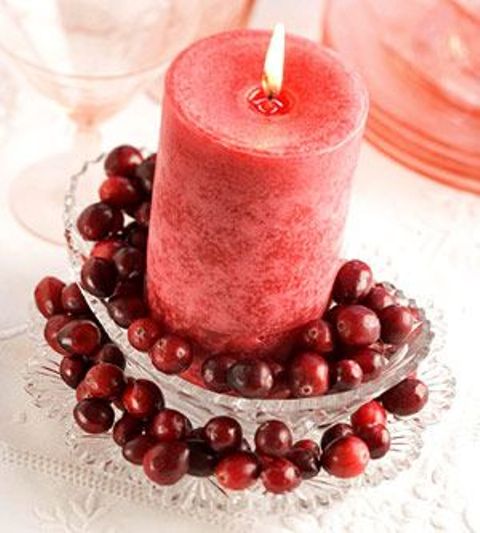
point(272, 77)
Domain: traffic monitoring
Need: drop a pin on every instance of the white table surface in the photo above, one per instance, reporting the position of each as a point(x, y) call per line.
point(430, 233)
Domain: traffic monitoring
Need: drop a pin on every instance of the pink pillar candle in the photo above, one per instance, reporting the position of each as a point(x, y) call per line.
point(249, 207)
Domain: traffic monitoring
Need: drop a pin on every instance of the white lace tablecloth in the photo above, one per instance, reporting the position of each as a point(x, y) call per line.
point(431, 235)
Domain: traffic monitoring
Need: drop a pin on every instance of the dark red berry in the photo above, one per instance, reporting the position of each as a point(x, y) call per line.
point(215, 370)
point(406, 398)
point(346, 457)
point(308, 375)
point(273, 438)
point(332, 314)
point(142, 398)
point(251, 378)
point(122, 161)
point(99, 221)
point(305, 461)
point(105, 381)
point(317, 336)
point(280, 476)
point(136, 236)
point(126, 429)
point(397, 323)
point(134, 450)
point(80, 337)
point(94, 415)
point(347, 375)
point(82, 392)
point(145, 173)
point(223, 433)
point(73, 300)
point(48, 296)
point(308, 444)
point(54, 324)
point(171, 354)
point(125, 309)
point(371, 362)
point(106, 249)
point(99, 277)
point(169, 425)
point(73, 370)
point(369, 414)
point(142, 214)
point(237, 471)
point(143, 333)
point(203, 459)
point(119, 192)
point(334, 433)
point(378, 298)
point(377, 438)
point(167, 462)
point(110, 353)
point(129, 287)
point(130, 262)
point(353, 282)
point(357, 325)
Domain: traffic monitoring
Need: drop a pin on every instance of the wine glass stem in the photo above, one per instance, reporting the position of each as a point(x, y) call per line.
point(87, 141)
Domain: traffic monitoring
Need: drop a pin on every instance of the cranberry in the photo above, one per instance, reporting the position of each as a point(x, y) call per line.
point(223, 433)
point(105, 381)
point(334, 433)
point(280, 391)
point(377, 438)
point(371, 362)
point(119, 192)
point(168, 425)
point(48, 296)
point(273, 438)
point(332, 314)
point(354, 281)
point(378, 298)
point(122, 161)
point(145, 173)
point(357, 325)
point(99, 221)
point(167, 462)
point(368, 414)
point(196, 434)
point(317, 336)
point(347, 375)
point(94, 415)
point(346, 457)
point(252, 378)
point(134, 450)
point(126, 429)
point(280, 476)
point(82, 392)
point(54, 324)
point(106, 249)
point(73, 300)
point(142, 214)
point(171, 354)
point(308, 375)
point(136, 236)
point(141, 398)
point(143, 333)
point(130, 262)
point(406, 398)
point(215, 370)
point(73, 370)
point(306, 461)
point(310, 445)
point(397, 323)
point(202, 459)
point(110, 353)
point(129, 287)
point(98, 277)
point(238, 471)
point(80, 337)
point(125, 309)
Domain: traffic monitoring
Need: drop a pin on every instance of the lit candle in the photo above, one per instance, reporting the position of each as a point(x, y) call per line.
point(251, 188)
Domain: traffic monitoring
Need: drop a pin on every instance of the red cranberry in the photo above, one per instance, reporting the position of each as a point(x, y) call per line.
point(238, 471)
point(122, 161)
point(332, 314)
point(142, 214)
point(143, 333)
point(134, 450)
point(378, 298)
point(280, 476)
point(317, 336)
point(357, 325)
point(130, 262)
point(126, 429)
point(141, 398)
point(273, 438)
point(105, 381)
point(129, 287)
point(406, 398)
point(119, 192)
point(347, 375)
point(99, 221)
point(80, 337)
point(125, 309)
point(369, 414)
point(371, 362)
point(167, 462)
point(397, 323)
point(73, 370)
point(310, 445)
point(354, 281)
point(82, 392)
point(308, 375)
point(73, 300)
point(215, 370)
point(54, 324)
point(334, 433)
point(145, 173)
point(202, 459)
point(305, 461)
point(168, 425)
point(251, 378)
point(171, 354)
point(48, 296)
point(94, 415)
point(346, 457)
point(377, 438)
point(136, 236)
point(106, 249)
point(110, 353)
point(223, 433)
point(98, 277)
